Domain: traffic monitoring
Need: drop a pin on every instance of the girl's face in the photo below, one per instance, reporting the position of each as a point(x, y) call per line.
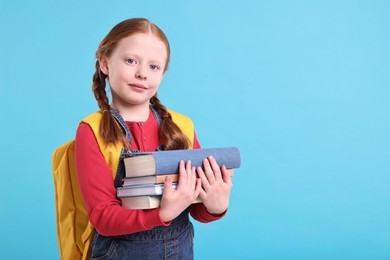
point(135, 69)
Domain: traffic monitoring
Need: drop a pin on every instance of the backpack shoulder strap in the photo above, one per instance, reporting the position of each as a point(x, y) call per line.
point(111, 152)
point(185, 124)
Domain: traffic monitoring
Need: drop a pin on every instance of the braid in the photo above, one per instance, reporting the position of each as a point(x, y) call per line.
point(109, 129)
point(170, 135)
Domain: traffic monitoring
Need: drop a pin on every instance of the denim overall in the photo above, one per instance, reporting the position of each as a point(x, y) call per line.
point(172, 242)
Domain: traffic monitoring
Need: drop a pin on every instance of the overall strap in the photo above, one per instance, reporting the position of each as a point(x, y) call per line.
point(122, 124)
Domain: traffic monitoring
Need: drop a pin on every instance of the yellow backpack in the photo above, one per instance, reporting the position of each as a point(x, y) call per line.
point(74, 231)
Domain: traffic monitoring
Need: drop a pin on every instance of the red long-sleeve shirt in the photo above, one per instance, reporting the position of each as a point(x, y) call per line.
point(97, 185)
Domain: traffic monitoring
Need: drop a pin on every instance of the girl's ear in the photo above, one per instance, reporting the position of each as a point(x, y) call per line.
point(103, 65)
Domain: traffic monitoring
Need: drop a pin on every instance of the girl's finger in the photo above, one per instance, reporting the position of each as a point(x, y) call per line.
point(193, 175)
point(216, 169)
point(198, 188)
point(203, 178)
point(226, 175)
point(202, 194)
point(182, 174)
point(167, 190)
point(188, 167)
point(189, 175)
point(208, 171)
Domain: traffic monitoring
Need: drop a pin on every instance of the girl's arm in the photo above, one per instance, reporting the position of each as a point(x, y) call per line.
point(97, 187)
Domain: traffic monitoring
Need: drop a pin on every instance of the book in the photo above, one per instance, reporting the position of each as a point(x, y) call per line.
point(145, 202)
point(142, 190)
point(141, 202)
point(154, 179)
point(167, 162)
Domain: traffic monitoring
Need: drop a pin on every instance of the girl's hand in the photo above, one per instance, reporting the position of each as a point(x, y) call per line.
point(174, 202)
point(216, 186)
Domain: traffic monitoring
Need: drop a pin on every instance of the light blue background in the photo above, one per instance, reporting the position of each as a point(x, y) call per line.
point(301, 87)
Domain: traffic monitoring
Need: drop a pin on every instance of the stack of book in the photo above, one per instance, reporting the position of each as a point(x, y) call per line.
point(145, 173)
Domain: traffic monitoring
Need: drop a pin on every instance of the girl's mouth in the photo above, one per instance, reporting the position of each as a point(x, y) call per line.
point(138, 87)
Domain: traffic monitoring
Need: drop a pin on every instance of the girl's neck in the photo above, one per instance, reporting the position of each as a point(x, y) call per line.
point(133, 113)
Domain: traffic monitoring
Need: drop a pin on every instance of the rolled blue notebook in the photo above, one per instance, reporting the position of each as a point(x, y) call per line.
point(167, 162)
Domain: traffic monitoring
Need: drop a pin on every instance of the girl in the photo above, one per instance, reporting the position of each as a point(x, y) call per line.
point(133, 59)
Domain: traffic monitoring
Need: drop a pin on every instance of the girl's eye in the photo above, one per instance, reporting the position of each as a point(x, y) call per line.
point(154, 67)
point(131, 61)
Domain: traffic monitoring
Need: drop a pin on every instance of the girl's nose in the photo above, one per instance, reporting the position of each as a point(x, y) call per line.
point(140, 74)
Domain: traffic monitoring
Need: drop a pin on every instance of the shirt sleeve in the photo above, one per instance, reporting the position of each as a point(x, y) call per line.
point(198, 211)
point(196, 144)
point(97, 187)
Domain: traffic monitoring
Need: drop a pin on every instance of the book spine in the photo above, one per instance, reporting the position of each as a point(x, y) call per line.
point(157, 179)
point(141, 190)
